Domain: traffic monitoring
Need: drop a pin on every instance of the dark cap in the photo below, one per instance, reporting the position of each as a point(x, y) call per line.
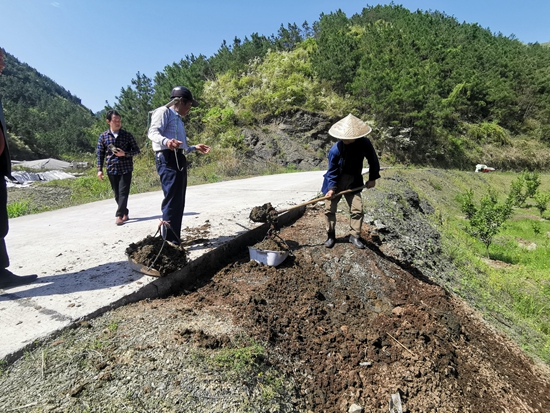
point(185, 94)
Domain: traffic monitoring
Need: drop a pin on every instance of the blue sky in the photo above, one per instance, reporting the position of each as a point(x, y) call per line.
point(95, 47)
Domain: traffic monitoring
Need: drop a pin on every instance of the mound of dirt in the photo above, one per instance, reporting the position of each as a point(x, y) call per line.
point(264, 213)
point(352, 327)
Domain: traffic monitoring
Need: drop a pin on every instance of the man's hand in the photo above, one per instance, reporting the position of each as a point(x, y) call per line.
point(100, 175)
point(370, 184)
point(202, 148)
point(173, 144)
point(119, 152)
point(330, 193)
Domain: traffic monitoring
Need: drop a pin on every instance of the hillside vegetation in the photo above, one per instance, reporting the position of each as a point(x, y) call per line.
point(438, 92)
point(43, 119)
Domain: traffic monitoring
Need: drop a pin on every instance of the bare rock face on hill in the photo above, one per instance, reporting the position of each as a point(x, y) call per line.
point(300, 139)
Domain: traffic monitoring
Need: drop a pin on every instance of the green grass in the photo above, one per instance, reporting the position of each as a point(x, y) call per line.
point(245, 360)
point(20, 208)
point(512, 287)
point(240, 358)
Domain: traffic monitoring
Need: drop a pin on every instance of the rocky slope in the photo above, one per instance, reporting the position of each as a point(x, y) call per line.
point(298, 138)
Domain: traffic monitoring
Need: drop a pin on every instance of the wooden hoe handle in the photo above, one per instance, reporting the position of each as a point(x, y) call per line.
point(313, 201)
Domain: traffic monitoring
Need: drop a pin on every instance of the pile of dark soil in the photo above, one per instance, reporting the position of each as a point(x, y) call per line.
point(273, 242)
point(352, 327)
point(154, 253)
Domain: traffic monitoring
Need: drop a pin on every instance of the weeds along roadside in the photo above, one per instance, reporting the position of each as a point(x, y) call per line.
point(510, 287)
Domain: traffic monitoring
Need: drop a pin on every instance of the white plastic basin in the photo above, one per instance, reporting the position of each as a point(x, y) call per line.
point(271, 258)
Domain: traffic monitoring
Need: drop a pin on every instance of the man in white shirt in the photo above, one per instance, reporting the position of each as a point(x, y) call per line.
point(167, 132)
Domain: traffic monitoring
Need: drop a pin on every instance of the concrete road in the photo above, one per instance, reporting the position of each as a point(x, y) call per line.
point(79, 252)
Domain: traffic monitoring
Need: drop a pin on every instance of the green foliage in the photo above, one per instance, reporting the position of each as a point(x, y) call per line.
point(191, 72)
point(281, 82)
point(486, 219)
point(541, 201)
point(44, 116)
point(526, 283)
point(86, 188)
point(523, 187)
point(337, 55)
point(20, 208)
point(488, 132)
point(467, 203)
point(246, 361)
point(426, 71)
point(134, 104)
point(512, 289)
point(235, 57)
point(113, 326)
point(240, 358)
point(532, 183)
point(441, 92)
point(517, 195)
point(218, 120)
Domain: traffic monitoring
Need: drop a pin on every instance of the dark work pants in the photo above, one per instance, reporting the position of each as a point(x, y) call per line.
point(355, 203)
point(4, 259)
point(173, 178)
point(121, 188)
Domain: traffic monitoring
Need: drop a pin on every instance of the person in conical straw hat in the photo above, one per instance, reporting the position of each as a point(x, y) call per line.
point(345, 166)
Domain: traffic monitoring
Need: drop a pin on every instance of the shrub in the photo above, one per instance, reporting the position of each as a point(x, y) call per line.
point(532, 183)
point(489, 132)
point(20, 208)
point(486, 220)
point(541, 201)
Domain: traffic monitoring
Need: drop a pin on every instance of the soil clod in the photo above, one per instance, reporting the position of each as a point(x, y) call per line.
point(264, 213)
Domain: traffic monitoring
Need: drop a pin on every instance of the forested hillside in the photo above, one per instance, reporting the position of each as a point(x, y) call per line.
point(43, 119)
point(438, 92)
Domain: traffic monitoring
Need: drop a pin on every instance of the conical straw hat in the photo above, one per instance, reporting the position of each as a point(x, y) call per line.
point(350, 127)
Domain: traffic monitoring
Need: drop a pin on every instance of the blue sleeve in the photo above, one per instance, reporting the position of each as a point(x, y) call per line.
point(333, 172)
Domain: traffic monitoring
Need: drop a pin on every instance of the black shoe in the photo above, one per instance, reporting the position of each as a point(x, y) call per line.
point(356, 242)
point(331, 240)
point(9, 279)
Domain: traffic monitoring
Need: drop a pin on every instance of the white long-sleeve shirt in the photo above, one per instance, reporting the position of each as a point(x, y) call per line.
point(166, 124)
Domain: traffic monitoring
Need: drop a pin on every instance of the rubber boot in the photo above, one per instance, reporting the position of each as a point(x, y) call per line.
point(331, 240)
point(356, 242)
